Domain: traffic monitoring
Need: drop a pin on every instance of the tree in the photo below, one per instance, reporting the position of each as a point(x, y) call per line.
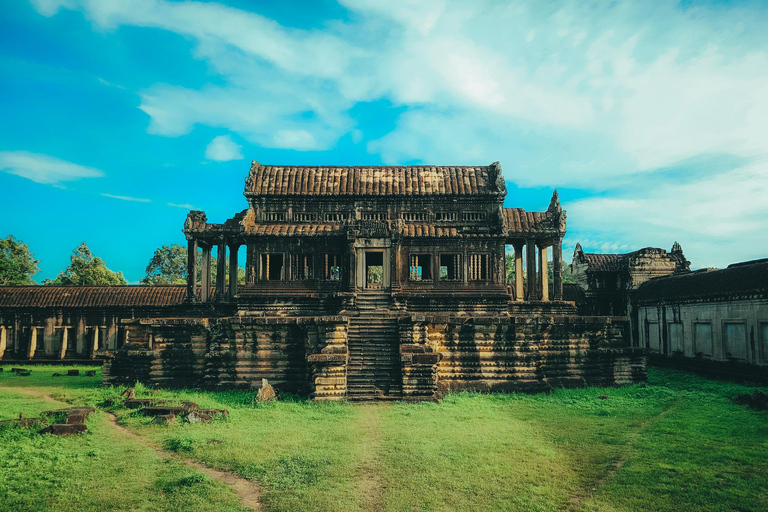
point(509, 263)
point(169, 266)
point(86, 269)
point(17, 265)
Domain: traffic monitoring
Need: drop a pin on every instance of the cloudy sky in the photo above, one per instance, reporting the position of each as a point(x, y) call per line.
point(650, 118)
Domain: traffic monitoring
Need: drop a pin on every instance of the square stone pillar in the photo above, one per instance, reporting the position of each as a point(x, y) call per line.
point(221, 271)
point(233, 270)
point(95, 340)
point(191, 269)
point(530, 257)
point(64, 342)
point(205, 280)
point(519, 290)
point(3, 340)
point(557, 269)
point(544, 273)
point(32, 343)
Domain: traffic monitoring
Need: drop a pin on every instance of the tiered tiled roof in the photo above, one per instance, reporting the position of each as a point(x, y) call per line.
point(520, 221)
point(748, 278)
point(90, 296)
point(272, 180)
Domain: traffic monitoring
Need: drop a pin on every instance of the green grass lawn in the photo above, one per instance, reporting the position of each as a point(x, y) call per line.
point(677, 443)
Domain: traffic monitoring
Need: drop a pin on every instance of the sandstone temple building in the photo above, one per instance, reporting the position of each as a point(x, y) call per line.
point(361, 283)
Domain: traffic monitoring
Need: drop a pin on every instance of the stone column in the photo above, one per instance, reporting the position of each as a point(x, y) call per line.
point(3, 340)
point(205, 281)
point(233, 270)
point(544, 272)
point(80, 335)
point(95, 344)
point(221, 270)
point(530, 256)
point(191, 269)
point(519, 290)
point(557, 262)
point(64, 341)
point(32, 343)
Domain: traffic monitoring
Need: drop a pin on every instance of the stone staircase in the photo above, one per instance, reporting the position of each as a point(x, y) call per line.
point(373, 372)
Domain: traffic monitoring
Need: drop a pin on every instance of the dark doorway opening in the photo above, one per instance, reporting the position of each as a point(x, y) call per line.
point(374, 269)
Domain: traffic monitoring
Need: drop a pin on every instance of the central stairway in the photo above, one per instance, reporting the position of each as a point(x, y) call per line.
point(374, 350)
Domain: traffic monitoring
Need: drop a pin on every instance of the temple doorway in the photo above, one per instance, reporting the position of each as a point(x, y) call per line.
point(374, 270)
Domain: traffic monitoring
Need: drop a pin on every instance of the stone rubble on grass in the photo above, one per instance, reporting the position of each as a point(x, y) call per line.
point(74, 424)
point(164, 419)
point(73, 373)
point(90, 373)
point(266, 392)
point(198, 417)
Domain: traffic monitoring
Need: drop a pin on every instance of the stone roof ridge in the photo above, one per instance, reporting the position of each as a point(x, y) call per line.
point(375, 180)
point(743, 278)
point(761, 261)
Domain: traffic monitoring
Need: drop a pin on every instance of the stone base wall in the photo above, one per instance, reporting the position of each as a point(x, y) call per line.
point(228, 353)
point(526, 353)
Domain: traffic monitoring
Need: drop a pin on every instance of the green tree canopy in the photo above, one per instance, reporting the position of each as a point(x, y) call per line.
point(169, 266)
point(509, 263)
point(86, 269)
point(17, 266)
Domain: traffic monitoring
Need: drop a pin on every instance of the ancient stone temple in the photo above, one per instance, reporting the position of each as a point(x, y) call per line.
point(376, 283)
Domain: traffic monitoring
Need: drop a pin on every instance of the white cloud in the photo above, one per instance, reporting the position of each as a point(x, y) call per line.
point(592, 95)
point(43, 168)
point(127, 198)
point(185, 206)
point(223, 149)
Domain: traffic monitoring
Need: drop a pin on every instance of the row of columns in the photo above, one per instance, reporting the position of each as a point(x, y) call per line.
point(205, 270)
point(538, 275)
point(33, 340)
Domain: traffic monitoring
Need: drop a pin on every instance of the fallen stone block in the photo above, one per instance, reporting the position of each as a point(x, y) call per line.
point(1, 369)
point(57, 375)
point(73, 373)
point(90, 373)
point(129, 393)
point(67, 429)
point(757, 400)
point(214, 412)
point(17, 370)
point(163, 410)
point(164, 419)
point(138, 403)
point(24, 374)
point(198, 417)
point(24, 422)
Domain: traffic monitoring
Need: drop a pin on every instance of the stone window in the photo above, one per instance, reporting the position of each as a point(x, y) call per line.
point(335, 217)
point(446, 216)
point(763, 342)
point(332, 268)
point(702, 338)
point(735, 340)
point(675, 333)
point(301, 267)
point(450, 267)
point(274, 216)
point(652, 336)
point(473, 216)
point(377, 216)
point(271, 267)
point(421, 267)
point(304, 217)
point(477, 268)
point(415, 216)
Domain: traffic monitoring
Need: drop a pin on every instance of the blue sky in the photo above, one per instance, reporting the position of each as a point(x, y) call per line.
point(650, 118)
